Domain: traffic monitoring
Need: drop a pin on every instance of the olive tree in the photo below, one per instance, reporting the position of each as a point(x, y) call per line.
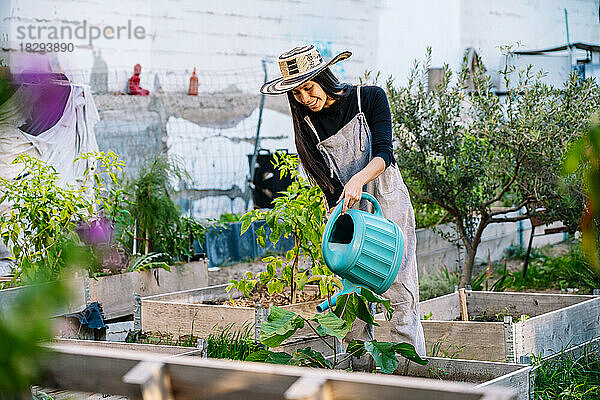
point(486, 158)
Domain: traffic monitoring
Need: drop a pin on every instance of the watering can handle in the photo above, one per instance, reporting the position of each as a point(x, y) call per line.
point(376, 207)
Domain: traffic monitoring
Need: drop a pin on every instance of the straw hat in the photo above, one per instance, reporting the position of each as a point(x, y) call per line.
point(298, 66)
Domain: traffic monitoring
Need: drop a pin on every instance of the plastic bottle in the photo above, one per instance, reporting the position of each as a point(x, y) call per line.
point(193, 89)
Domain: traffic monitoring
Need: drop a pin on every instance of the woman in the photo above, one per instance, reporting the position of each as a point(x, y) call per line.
point(343, 136)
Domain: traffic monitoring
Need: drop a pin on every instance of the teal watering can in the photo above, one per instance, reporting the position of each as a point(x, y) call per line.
point(364, 249)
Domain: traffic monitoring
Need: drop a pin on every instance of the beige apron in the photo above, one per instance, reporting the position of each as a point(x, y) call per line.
point(346, 153)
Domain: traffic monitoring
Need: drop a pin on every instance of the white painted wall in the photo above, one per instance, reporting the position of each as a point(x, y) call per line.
point(384, 35)
point(406, 28)
point(233, 36)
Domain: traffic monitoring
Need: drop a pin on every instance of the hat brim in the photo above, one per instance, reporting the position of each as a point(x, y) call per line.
point(281, 85)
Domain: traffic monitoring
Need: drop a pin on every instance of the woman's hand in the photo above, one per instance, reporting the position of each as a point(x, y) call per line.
point(352, 192)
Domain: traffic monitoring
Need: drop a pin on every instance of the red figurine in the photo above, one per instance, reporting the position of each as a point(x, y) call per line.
point(193, 88)
point(134, 83)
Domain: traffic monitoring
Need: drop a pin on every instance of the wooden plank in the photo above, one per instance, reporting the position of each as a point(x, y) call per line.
point(152, 380)
point(516, 304)
point(458, 370)
point(115, 292)
point(469, 340)
point(462, 300)
point(93, 370)
point(549, 333)
point(517, 381)
point(438, 368)
point(178, 312)
point(76, 286)
point(309, 388)
point(443, 308)
point(121, 346)
point(199, 319)
point(215, 293)
point(71, 328)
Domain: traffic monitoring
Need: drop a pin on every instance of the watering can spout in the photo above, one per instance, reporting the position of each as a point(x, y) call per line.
point(348, 288)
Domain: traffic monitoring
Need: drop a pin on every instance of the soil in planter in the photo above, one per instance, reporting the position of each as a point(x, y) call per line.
point(489, 317)
point(265, 299)
point(277, 299)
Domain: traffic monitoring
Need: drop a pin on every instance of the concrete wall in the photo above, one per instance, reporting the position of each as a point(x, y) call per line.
point(227, 40)
point(434, 252)
point(384, 35)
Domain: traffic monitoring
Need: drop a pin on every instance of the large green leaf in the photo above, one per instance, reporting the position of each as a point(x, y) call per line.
point(407, 350)
point(384, 355)
point(279, 358)
point(269, 357)
point(375, 298)
point(362, 310)
point(280, 325)
point(310, 358)
point(351, 306)
point(331, 324)
point(260, 355)
point(356, 348)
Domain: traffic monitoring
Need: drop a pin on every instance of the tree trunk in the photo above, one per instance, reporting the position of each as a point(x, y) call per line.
point(471, 248)
point(467, 271)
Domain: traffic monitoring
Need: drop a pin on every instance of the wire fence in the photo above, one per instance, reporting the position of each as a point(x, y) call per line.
point(212, 133)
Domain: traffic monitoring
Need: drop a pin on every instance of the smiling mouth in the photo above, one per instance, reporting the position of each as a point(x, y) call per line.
point(313, 104)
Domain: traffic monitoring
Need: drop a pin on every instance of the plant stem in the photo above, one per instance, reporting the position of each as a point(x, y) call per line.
point(319, 335)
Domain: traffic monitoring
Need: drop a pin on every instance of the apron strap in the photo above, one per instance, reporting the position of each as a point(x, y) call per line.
point(312, 128)
point(358, 95)
point(320, 146)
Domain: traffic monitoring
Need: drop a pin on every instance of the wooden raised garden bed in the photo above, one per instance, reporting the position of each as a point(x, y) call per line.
point(115, 293)
point(550, 322)
point(131, 373)
point(199, 311)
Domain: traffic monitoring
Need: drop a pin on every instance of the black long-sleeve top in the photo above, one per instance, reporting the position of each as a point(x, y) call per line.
point(329, 121)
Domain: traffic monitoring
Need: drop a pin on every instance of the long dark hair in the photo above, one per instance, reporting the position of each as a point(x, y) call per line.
point(311, 159)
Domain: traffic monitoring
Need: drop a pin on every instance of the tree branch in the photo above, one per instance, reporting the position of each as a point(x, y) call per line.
point(462, 232)
point(505, 188)
point(513, 209)
point(451, 210)
point(510, 219)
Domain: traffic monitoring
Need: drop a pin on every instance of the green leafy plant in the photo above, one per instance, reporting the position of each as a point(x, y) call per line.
point(110, 196)
point(584, 158)
point(41, 221)
point(443, 348)
point(227, 343)
point(298, 213)
point(23, 328)
point(144, 262)
point(438, 283)
point(570, 270)
point(282, 324)
point(231, 343)
point(464, 149)
point(159, 225)
point(429, 215)
point(568, 376)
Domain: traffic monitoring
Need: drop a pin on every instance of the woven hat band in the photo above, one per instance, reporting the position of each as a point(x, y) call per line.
point(299, 61)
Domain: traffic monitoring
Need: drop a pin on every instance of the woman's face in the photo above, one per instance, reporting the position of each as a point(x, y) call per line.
point(312, 95)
